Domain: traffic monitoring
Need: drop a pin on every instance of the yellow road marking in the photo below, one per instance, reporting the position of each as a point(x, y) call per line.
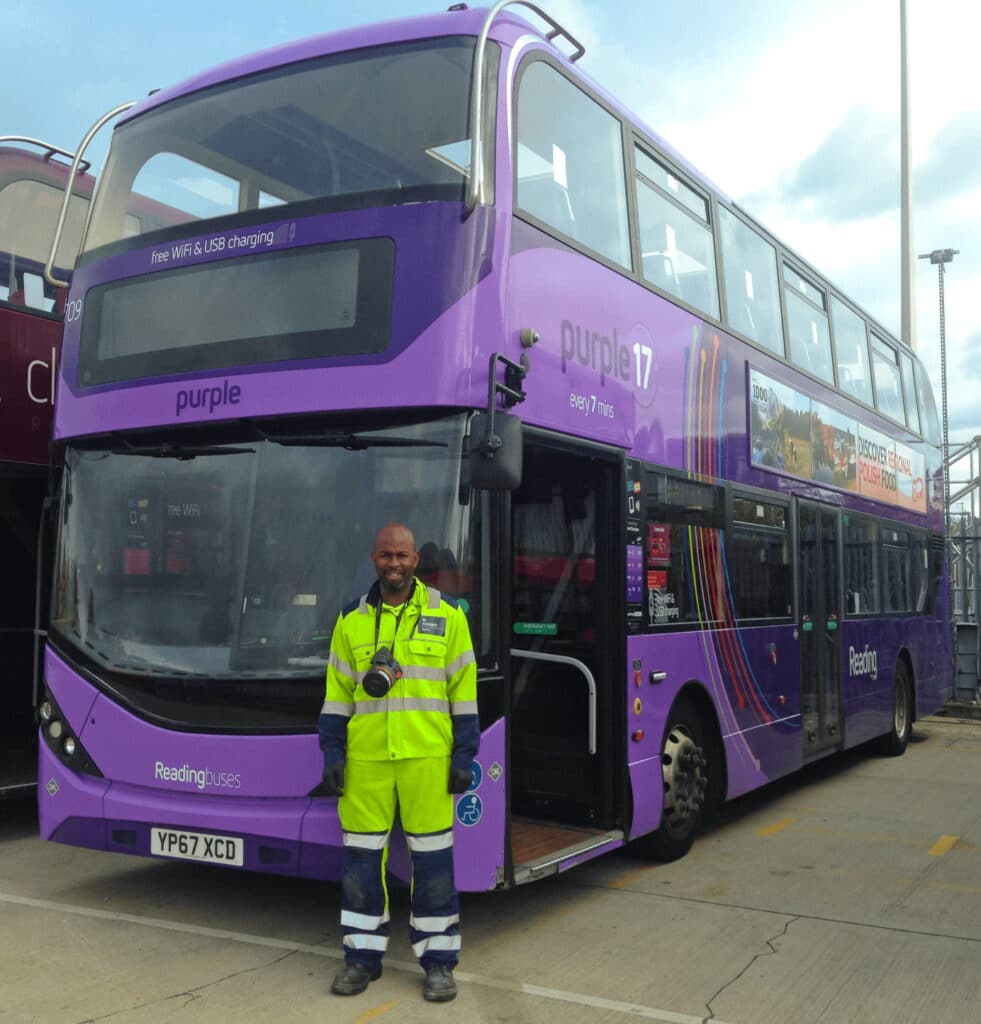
point(376, 1012)
point(630, 876)
point(777, 826)
point(943, 845)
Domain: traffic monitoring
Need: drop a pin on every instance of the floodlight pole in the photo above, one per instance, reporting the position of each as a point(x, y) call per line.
point(940, 258)
point(908, 302)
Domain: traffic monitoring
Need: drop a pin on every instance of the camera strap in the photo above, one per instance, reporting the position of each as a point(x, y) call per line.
point(398, 617)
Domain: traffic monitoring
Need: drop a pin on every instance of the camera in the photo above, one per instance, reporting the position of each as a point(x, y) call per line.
point(384, 673)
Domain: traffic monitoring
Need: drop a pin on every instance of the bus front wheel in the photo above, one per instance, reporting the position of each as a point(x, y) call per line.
point(684, 773)
point(894, 742)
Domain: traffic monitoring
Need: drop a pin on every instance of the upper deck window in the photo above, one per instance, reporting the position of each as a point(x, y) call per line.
point(385, 121)
point(807, 326)
point(752, 293)
point(569, 162)
point(909, 391)
point(28, 215)
point(888, 384)
point(926, 404)
point(198, 191)
point(851, 352)
point(676, 242)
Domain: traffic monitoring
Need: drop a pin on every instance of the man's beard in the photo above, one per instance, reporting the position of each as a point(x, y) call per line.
point(388, 587)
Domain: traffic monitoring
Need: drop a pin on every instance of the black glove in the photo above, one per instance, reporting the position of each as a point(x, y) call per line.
point(334, 779)
point(460, 779)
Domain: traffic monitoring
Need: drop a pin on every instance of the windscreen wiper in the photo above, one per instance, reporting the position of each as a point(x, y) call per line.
point(181, 452)
point(352, 442)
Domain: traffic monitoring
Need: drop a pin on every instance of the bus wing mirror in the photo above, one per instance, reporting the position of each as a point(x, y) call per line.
point(495, 451)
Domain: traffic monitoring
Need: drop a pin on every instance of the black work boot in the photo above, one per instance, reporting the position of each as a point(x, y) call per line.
point(353, 978)
point(440, 986)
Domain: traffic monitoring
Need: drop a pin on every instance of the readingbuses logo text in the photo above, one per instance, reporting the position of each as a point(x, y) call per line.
point(200, 778)
point(863, 663)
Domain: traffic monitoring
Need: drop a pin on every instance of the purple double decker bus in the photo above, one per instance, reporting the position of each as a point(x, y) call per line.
point(429, 272)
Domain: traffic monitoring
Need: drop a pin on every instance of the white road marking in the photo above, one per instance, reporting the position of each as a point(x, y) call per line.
point(539, 991)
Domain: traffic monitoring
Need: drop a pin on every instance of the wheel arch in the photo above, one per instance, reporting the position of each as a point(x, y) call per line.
point(695, 693)
point(906, 658)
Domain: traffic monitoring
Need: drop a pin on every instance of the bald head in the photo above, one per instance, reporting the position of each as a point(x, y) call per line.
point(395, 533)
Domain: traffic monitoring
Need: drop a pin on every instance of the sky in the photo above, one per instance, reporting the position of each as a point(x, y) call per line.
point(791, 108)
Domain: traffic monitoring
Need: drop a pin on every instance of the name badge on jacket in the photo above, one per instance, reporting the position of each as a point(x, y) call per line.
point(431, 625)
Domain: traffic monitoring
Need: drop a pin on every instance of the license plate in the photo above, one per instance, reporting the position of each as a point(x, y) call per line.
point(167, 842)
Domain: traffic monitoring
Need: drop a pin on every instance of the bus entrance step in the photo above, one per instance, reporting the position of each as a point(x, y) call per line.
point(538, 848)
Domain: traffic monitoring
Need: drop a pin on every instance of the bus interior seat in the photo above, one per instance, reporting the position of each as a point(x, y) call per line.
point(659, 270)
point(547, 200)
point(744, 321)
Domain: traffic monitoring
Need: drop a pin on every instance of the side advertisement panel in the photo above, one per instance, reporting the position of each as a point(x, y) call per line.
point(793, 433)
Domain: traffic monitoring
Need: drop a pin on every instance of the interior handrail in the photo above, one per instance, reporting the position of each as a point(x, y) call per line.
point(564, 659)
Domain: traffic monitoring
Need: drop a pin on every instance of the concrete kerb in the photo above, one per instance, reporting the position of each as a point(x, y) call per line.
point(963, 710)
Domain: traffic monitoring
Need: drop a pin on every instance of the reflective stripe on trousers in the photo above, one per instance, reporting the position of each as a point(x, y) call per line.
point(372, 791)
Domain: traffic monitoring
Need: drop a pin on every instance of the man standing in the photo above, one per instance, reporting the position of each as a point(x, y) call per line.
point(399, 727)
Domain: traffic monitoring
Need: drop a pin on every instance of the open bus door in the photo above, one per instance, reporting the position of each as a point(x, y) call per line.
point(565, 737)
point(819, 561)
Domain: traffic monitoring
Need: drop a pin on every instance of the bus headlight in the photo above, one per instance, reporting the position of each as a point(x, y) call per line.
point(59, 736)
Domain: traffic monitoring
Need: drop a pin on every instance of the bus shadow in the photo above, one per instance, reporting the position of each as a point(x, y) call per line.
point(18, 817)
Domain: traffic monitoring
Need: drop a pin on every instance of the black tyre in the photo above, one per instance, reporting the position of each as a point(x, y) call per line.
point(684, 772)
point(895, 741)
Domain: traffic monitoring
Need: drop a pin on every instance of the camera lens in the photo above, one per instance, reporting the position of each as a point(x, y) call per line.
point(384, 673)
point(378, 680)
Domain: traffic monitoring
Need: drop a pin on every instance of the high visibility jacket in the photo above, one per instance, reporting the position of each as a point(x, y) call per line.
point(431, 711)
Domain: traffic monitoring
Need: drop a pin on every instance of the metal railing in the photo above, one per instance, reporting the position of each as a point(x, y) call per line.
point(964, 558)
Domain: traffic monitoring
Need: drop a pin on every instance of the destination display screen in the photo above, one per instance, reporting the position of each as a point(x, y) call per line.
point(314, 302)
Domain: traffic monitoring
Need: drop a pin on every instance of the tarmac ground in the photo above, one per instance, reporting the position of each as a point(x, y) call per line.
point(848, 893)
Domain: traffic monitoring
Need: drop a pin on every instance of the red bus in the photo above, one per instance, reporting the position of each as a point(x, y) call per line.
point(32, 187)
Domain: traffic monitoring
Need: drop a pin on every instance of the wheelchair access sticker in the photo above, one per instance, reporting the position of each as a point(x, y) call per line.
point(469, 809)
point(478, 775)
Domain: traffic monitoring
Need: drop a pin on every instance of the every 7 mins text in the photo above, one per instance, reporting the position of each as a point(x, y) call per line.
point(590, 405)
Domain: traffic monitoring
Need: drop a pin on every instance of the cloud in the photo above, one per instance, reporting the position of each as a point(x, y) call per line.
point(970, 355)
point(952, 164)
point(852, 175)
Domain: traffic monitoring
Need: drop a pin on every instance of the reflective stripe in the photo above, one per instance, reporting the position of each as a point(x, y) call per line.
point(340, 665)
point(434, 597)
point(463, 707)
point(364, 923)
point(467, 658)
point(434, 675)
point(337, 707)
point(374, 707)
point(427, 672)
point(363, 607)
point(448, 942)
point(433, 924)
point(426, 844)
point(366, 840)
point(375, 942)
